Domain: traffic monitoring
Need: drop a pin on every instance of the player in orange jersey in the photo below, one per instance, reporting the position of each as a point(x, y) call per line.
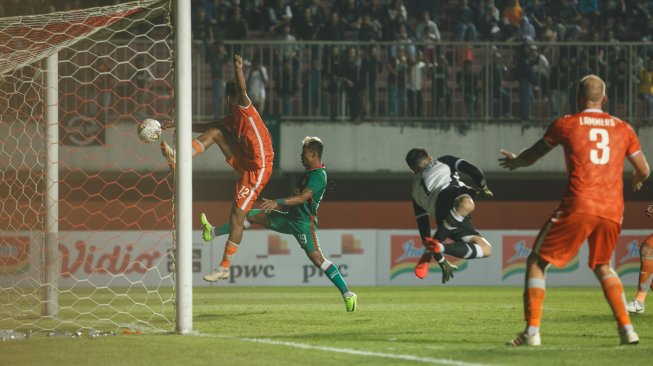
point(595, 144)
point(645, 272)
point(247, 146)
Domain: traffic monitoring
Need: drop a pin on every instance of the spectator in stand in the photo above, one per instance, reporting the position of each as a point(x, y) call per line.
point(237, 28)
point(414, 87)
point(217, 57)
point(590, 9)
point(404, 41)
point(288, 51)
point(377, 12)
point(440, 94)
point(333, 30)
point(537, 14)
point(512, 17)
point(549, 33)
point(646, 87)
point(351, 78)
point(524, 75)
point(489, 20)
point(540, 71)
point(317, 11)
point(618, 85)
point(257, 81)
point(464, 22)
point(307, 26)
point(397, 12)
point(467, 80)
point(500, 93)
point(567, 21)
point(287, 85)
point(279, 13)
point(369, 30)
point(312, 82)
point(613, 10)
point(202, 27)
point(561, 82)
point(350, 17)
point(427, 28)
point(332, 67)
point(220, 26)
point(427, 31)
point(371, 68)
point(526, 31)
point(397, 71)
point(641, 11)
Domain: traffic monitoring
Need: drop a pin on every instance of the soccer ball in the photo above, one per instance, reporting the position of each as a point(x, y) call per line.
point(149, 130)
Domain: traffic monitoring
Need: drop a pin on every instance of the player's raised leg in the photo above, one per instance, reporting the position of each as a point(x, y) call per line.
point(254, 216)
point(211, 135)
point(645, 276)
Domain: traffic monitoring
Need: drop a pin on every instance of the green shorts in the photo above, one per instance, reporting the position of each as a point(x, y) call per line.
point(306, 235)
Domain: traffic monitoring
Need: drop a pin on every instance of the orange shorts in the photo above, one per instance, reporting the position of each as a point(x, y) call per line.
point(249, 186)
point(561, 237)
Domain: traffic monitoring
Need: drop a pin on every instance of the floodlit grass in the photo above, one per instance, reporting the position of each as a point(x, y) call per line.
point(309, 326)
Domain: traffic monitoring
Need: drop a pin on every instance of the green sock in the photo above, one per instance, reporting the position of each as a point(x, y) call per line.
point(224, 229)
point(335, 276)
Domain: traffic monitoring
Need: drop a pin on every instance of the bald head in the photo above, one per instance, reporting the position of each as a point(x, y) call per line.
point(592, 89)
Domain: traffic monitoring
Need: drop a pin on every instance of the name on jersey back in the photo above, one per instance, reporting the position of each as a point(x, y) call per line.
point(593, 121)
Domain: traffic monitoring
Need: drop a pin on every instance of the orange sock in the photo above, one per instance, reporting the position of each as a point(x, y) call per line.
point(198, 147)
point(533, 300)
point(614, 293)
point(230, 250)
point(645, 272)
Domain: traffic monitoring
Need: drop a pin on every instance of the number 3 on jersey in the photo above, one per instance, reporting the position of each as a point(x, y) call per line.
point(600, 155)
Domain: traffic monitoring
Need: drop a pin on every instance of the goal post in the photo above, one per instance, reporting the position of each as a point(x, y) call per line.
point(88, 213)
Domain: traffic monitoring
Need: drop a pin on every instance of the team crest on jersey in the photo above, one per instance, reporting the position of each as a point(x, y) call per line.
point(14, 255)
point(405, 250)
point(517, 248)
point(627, 254)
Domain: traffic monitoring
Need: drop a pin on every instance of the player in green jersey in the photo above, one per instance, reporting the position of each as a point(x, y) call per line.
point(300, 220)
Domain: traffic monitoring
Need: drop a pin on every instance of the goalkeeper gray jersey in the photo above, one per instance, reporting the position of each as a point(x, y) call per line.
point(428, 184)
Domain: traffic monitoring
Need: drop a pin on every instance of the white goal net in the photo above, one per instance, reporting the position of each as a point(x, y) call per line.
point(108, 264)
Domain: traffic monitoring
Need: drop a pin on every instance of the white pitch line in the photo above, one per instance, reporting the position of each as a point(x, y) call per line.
point(429, 360)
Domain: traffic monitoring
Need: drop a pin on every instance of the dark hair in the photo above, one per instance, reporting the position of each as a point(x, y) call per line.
point(415, 155)
point(231, 89)
point(316, 146)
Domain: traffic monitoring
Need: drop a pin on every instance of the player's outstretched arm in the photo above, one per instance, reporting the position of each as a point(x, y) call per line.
point(469, 169)
point(525, 158)
point(241, 86)
point(269, 205)
point(423, 221)
point(641, 172)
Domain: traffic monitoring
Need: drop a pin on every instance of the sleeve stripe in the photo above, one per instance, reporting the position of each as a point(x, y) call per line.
point(547, 143)
point(422, 215)
point(455, 165)
point(635, 153)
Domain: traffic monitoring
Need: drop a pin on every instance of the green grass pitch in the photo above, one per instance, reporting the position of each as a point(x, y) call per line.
point(439, 325)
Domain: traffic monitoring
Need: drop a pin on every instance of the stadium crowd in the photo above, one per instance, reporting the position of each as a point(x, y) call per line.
point(396, 79)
